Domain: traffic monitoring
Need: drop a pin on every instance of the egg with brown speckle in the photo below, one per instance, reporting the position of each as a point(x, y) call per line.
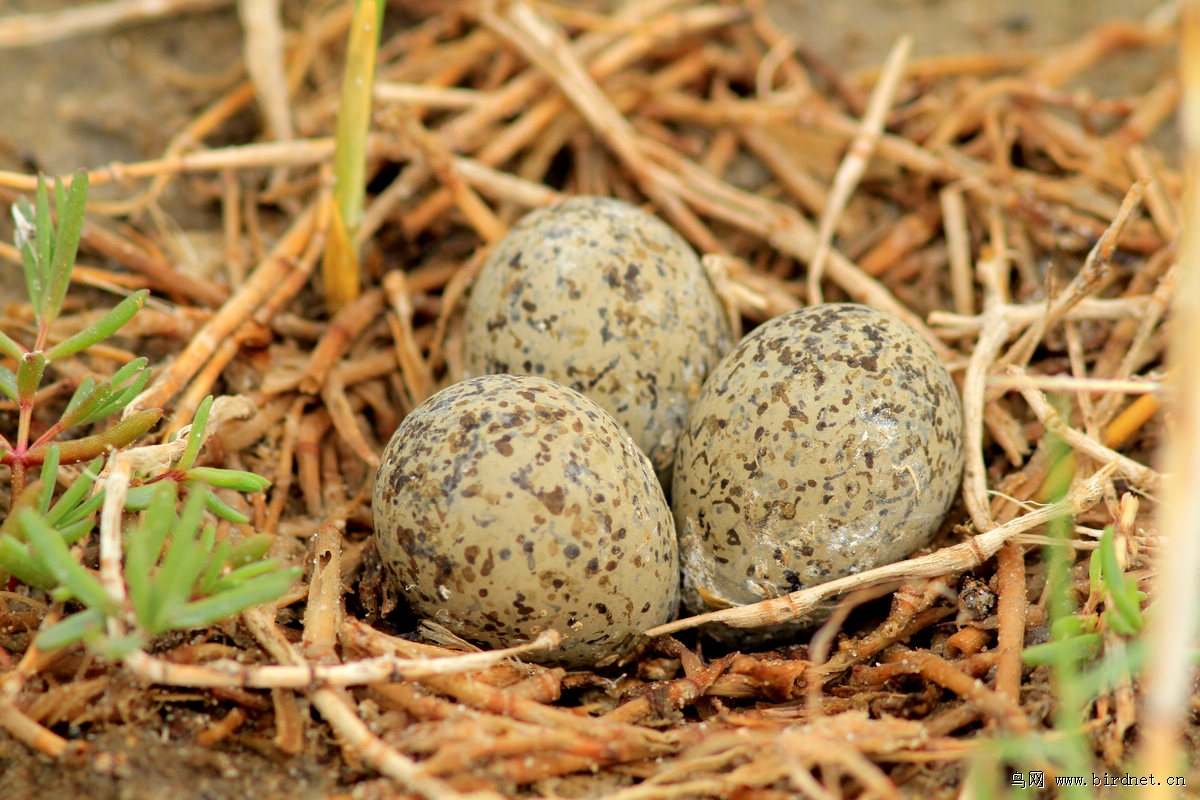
point(828, 442)
point(506, 505)
point(603, 297)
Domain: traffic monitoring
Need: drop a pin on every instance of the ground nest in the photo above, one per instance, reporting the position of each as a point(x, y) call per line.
point(1025, 226)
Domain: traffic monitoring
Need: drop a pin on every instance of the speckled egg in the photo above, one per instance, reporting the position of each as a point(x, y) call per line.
point(601, 296)
point(505, 505)
point(828, 442)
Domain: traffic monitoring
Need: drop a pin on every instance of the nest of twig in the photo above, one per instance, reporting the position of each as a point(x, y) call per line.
point(1026, 229)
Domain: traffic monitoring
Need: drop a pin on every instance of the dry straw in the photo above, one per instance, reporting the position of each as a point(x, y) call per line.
point(1025, 227)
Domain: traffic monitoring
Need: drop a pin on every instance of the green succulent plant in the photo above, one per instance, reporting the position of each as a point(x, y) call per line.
point(177, 574)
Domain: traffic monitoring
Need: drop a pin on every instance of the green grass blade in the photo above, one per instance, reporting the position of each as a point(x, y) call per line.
point(146, 540)
point(82, 511)
point(340, 266)
point(1125, 606)
point(145, 545)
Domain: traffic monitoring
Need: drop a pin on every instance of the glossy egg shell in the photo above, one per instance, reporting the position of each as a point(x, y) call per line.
point(505, 505)
point(601, 296)
point(828, 442)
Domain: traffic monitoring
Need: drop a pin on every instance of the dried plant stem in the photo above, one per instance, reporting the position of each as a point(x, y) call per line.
point(26, 730)
point(1139, 475)
point(28, 30)
point(265, 279)
point(338, 710)
point(947, 561)
point(1021, 316)
point(994, 334)
point(1172, 636)
point(1083, 284)
point(857, 158)
point(305, 675)
point(1003, 709)
point(1011, 604)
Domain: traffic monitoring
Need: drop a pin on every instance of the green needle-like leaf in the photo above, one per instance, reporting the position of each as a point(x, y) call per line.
point(75, 493)
point(8, 383)
point(116, 437)
point(257, 591)
point(9, 347)
point(144, 547)
point(224, 510)
point(82, 511)
point(30, 370)
point(97, 332)
point(177, 573)
point(16, 560)
point(1126, 618)
point(71, 205)
point(212, 570)
point(195, 438)
point(1076, 648)
point(243, 574)
point(73, 532)
point(48, 480)
point(85, 624)
point(237, 479)
point(138, 497)
point(252, 548)
point(52, 553)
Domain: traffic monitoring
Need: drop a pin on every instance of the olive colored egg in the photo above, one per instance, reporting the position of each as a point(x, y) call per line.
point(828, 442)
point(601, 296)
point(505, 505)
